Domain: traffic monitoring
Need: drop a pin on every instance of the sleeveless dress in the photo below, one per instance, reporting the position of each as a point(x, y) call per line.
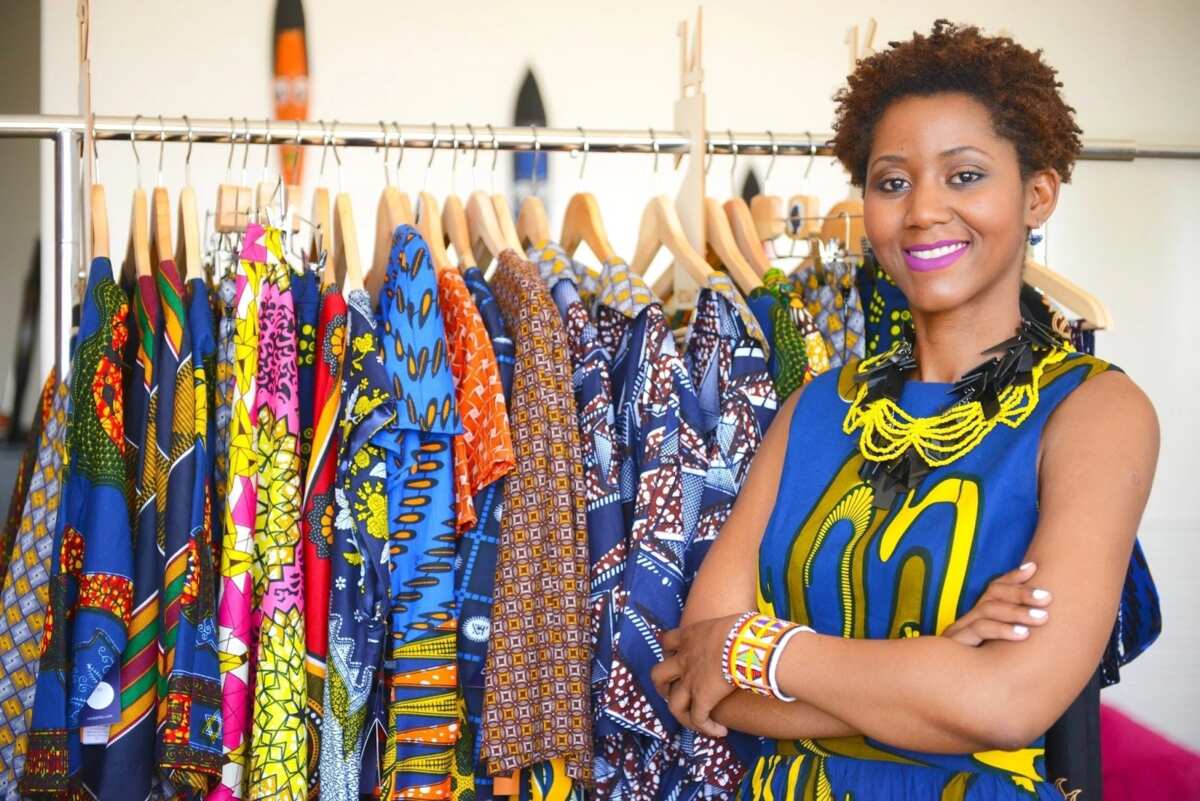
point(832, 560)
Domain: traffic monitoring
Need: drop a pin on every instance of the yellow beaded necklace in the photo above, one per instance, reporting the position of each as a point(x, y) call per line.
point(888, 432)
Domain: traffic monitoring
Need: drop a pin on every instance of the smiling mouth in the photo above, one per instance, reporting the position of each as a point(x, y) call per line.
point(940, 256)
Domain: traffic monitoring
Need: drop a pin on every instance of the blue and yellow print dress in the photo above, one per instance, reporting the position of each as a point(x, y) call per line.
point(832, 560)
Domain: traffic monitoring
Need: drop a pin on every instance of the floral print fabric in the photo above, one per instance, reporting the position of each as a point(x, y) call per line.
point(358, 558)
point(319, 510)
point(278, 741)
point(91, 587)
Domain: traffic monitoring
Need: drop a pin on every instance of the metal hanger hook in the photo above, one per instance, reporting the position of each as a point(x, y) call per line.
point(266, 150)
point(337, 157)
point(708, 159)
point(400, 141)
point(324, 148)
point(232, 147)
point(162, 141)
point(387, 176)
point(586, 144)
point(137, 159)
point(454, 158)
point(246, 151)
point(537, 149)
point(812, 154)
point(654, 149)
point(187, 160)
point(733, 166)
point(432, 149)
point(474, 148)
point(774, 153)
point(495, 153)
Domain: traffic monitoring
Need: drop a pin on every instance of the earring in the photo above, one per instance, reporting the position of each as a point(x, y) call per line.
point(1035, 236)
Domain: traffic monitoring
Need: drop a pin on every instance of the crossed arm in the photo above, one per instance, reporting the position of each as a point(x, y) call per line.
point(933, 694)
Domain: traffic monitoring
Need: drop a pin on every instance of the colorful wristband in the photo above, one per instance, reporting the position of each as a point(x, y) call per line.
point(752, 653)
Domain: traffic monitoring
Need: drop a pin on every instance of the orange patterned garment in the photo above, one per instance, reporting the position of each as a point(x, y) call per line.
point(483, 453)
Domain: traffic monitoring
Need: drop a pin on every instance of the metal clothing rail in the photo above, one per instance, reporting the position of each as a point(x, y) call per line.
point(485, 137)
point(67, 132)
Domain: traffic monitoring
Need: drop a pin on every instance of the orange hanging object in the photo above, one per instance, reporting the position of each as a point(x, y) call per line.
point(291, 81)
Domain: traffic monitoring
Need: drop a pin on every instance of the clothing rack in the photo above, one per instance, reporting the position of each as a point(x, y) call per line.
point(73, 138)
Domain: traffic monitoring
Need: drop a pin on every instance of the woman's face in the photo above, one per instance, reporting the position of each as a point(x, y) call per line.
point(945, 207)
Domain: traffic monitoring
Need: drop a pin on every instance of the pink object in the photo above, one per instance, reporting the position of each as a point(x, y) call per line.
point(1139, 763)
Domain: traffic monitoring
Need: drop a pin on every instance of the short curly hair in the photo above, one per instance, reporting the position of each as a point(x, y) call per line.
point(1018, 88)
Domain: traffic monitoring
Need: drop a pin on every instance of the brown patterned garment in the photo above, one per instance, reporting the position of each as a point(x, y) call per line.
point(536, 703)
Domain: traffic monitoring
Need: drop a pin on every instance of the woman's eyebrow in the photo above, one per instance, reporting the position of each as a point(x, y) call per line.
point(945, 154)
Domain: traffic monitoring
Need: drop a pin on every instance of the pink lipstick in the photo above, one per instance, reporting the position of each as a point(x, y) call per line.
point(935, 256)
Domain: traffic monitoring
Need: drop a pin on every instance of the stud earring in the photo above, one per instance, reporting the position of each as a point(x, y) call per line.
point(1035, 236)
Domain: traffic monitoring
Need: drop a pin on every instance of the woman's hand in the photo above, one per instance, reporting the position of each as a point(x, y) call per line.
point(1005, 611)
point(691, 677)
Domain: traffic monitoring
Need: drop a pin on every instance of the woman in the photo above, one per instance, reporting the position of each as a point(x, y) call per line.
point(887, 495)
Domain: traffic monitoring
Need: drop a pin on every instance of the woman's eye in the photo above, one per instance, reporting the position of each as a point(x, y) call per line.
point(965, 177)
point(892, 185)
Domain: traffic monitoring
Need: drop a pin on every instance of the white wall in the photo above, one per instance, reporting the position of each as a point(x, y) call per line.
point(20, 45)
point(1125, 231)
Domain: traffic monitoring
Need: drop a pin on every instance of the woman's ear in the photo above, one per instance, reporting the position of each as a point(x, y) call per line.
point(1041, 196)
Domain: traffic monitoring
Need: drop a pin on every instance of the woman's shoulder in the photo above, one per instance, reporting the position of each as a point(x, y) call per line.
point(1103, 403)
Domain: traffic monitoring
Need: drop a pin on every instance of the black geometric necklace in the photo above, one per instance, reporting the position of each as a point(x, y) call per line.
point(899, 454)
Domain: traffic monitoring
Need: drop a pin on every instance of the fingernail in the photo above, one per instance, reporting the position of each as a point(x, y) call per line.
point(1028, 566)
point(1041, 595)
point(1020, 631)
point(1038, 614)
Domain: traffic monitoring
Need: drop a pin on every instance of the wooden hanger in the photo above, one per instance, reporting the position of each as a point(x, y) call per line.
point(160, 226)
point(848, 214)
point(137, 254)
point(347, 265)
point(767, 213)
point(660, 227)
point(582, 223)
point(745, 234)
point(457, 231)
point(1069, 295)
point(504, 216)
point(99, 223)
point(533, 226)
point(394, 209)
point(486, 236)
point(719, 237)
point(187, 249)
point(234, 201)
point(430, 226)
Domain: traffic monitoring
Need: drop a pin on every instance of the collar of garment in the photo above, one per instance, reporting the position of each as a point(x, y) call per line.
point(721, 284)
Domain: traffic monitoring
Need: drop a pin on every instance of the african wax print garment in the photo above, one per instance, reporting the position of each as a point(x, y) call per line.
point(306, 297)
point(726, 358)
point(422, 718)
point(885, 306)
point(939, 546)
point(131, 744)
point(601, 466)
point(798, 351)
point(26, 590)
point(537, 671)
point(602, 457)
point(358, 559)
point(278, 741)
point(475, 571)
point(91, 585)
point(483, 451)
point(224, 301)
point(658, 427)
point(28, 463)
point(832, 299)
point(317, 523)
point(241, 506)
point(190, 731)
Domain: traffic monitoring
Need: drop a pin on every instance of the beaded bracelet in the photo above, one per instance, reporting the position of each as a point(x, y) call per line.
point(752, 652)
